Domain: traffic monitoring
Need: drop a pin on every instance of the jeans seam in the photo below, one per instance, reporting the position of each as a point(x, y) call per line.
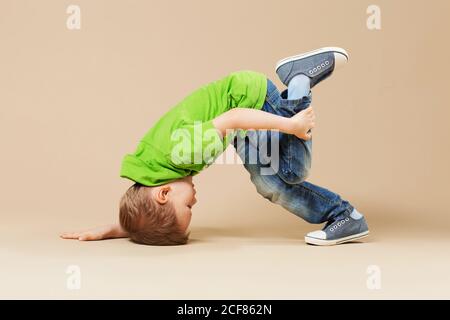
point(271, 103)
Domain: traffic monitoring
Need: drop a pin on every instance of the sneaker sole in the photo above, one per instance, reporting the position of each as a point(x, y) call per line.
point(309, 54)
point(320, 242)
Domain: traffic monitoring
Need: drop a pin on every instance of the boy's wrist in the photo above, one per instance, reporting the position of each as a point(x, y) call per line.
point(289, 125)
point(118, 232)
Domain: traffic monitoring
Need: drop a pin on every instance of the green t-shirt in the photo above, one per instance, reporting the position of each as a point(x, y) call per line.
point(184, 141)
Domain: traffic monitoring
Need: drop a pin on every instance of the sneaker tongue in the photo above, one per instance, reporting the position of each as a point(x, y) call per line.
point(330, 222)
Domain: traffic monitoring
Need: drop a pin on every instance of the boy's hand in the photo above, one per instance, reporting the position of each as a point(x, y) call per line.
point(302, 122)
point(105, 232)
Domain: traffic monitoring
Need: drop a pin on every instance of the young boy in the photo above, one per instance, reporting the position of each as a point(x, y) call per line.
point(157, 209)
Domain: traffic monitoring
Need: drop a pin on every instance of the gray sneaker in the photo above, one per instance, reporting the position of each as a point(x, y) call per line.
point(340, 231)
point(317, 65)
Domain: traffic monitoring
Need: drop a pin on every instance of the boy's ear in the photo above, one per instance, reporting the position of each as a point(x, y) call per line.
point(162, 194)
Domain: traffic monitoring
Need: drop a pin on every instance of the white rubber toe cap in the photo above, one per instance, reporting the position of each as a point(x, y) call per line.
point(318, 235)
point(340, 58)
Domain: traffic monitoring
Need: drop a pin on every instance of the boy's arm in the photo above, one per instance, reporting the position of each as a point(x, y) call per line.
point(245, 118)
point(105, 232)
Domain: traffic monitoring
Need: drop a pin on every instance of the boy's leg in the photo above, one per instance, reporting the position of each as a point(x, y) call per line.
point(286, 185)
point(294, 154)
point(299, 87)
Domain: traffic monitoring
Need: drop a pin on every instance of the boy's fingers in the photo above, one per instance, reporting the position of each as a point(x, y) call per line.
point(88, 237)
point(85, 237)
point(79, 236)
point(69, 236)
point(307, 136)
point(307, 110)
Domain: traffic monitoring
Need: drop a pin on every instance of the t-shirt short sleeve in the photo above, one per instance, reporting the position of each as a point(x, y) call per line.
point(195, 144)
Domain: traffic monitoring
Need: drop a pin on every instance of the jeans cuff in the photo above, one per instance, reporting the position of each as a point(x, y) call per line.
point(301, 103)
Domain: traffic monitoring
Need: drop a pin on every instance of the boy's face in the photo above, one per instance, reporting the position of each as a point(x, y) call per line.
point(181, 193)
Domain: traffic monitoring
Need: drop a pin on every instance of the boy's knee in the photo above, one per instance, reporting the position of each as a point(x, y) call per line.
point(291, 177)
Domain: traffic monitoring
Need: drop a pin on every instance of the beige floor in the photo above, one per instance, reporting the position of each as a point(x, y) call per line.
point(227, 262)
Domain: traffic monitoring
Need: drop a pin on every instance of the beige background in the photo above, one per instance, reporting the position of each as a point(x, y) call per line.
point(72, 103)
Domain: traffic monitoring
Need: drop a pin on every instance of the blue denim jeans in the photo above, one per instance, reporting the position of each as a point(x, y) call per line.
point(285, 184)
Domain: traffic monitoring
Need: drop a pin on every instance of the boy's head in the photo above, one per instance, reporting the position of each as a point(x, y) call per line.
point(158, 215)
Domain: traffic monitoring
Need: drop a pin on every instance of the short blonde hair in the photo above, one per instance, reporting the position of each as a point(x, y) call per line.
point(147, 221)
